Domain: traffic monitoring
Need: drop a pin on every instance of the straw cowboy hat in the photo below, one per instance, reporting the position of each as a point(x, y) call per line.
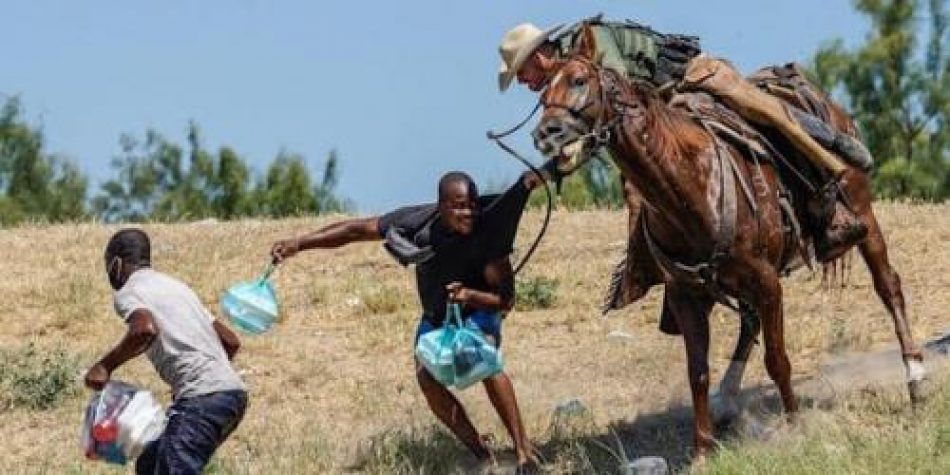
point(517, 46)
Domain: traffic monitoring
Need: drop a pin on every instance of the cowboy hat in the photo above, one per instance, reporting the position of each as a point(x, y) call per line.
point(516, 46)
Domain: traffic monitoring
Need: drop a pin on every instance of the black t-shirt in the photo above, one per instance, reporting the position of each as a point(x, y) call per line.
point(458, 258)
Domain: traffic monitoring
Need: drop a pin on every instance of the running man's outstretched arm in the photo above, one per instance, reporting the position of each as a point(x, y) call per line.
point(334, 235)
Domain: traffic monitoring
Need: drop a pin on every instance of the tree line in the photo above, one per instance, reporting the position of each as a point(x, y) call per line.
point(155, 178)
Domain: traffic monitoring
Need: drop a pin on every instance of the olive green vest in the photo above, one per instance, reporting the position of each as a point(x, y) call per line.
point(634, 50)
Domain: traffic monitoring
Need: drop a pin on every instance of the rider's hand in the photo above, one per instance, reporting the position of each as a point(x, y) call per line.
point(97, 377)
point(284, 249)
point(458, 293)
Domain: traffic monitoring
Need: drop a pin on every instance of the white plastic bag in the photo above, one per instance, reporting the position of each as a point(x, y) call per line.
point(120, 420)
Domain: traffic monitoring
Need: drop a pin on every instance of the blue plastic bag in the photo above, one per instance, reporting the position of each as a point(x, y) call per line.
point(457, 354)
point(252, 306)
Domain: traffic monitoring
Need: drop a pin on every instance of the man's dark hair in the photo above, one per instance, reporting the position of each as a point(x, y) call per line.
point(132, 246)
point(451, 178)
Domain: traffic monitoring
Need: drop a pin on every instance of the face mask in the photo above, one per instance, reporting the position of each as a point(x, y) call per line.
point(114, 271)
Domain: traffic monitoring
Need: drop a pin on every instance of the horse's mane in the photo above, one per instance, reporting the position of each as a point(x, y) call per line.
point(670, 132)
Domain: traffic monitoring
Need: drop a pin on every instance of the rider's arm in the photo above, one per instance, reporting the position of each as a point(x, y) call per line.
point(334, 235)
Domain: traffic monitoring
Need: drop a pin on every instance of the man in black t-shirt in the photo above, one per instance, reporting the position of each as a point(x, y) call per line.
point(466, 242)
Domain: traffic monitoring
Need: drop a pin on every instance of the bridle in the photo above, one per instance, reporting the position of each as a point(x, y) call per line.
point(600, 129)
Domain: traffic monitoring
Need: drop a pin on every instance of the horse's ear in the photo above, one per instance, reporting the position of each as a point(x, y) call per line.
point(586, 45)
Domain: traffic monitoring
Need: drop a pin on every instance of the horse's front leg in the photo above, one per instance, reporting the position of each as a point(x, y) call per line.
point(766, 299)
point(730, 388)
point(691, 311)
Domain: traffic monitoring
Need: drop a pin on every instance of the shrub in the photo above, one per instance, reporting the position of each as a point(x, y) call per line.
point(36, 379)
point(380, 299)
point(536, 292)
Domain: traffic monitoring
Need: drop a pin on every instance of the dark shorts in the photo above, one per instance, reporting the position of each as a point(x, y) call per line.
point(196, 427)
point(488, 322)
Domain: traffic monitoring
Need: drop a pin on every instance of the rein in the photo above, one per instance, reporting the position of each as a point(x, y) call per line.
point(497, 138)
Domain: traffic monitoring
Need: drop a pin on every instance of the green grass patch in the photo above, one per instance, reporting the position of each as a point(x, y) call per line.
point(535, 293)
point(876, 433)
point(428, 450)
point(35, 378)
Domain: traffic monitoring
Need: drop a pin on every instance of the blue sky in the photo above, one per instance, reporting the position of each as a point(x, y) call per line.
point(404, 90)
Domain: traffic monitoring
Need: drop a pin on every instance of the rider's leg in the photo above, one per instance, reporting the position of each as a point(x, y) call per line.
point(842, 229)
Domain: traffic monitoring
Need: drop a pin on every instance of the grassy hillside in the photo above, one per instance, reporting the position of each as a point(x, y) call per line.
point(332, 386)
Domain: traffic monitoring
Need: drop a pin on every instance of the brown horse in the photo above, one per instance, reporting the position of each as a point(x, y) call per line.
point(713, 220)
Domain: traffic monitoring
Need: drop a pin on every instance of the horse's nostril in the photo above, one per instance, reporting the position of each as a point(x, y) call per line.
point(553, 129)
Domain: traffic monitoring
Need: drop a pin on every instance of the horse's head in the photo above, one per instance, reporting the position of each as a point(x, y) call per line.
point(578, 108)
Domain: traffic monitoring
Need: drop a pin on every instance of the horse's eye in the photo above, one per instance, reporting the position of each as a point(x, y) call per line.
point(579, 82)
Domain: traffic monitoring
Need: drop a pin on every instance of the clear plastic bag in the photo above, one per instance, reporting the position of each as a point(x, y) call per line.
point(458, 355)
point(119, 421)
point(252, 306)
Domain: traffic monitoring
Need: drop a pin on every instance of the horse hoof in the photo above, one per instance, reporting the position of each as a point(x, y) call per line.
point(918, 392)
point(725, 408)
point(699, 462)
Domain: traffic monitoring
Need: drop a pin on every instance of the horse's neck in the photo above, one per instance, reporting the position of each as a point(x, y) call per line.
point(676, 188)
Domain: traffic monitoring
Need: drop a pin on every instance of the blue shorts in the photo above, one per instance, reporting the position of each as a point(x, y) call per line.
point(488, 322)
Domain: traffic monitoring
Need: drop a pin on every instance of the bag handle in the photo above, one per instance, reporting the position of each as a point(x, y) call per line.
point(453, 312)
point(267, 272)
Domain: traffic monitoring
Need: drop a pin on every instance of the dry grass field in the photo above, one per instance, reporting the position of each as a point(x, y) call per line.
point(332, 385)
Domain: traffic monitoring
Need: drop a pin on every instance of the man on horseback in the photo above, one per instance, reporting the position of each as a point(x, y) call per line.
point(675, 62)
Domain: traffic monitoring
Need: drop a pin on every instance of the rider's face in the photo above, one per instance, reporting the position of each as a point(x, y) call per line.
point(533, 72)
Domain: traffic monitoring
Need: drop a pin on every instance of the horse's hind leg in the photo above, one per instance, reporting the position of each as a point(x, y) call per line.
point(731, 385)
point(691, 312)
point(887, 284)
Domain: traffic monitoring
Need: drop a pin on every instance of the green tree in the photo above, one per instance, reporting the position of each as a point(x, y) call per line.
point(154, 182)
point(287, 188)
point(158, 179)
point(133, 194)
point(186, 193)
point(898, 93)
point(33, 183)
point(231, 197)
point(325, 193)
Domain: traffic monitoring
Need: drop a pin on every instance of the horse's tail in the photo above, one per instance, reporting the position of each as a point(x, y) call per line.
point(836, 273)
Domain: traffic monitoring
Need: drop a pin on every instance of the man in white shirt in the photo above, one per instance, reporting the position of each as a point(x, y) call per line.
point(187, 345)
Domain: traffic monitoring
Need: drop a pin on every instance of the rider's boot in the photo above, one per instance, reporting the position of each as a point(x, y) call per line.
point(840, 228)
